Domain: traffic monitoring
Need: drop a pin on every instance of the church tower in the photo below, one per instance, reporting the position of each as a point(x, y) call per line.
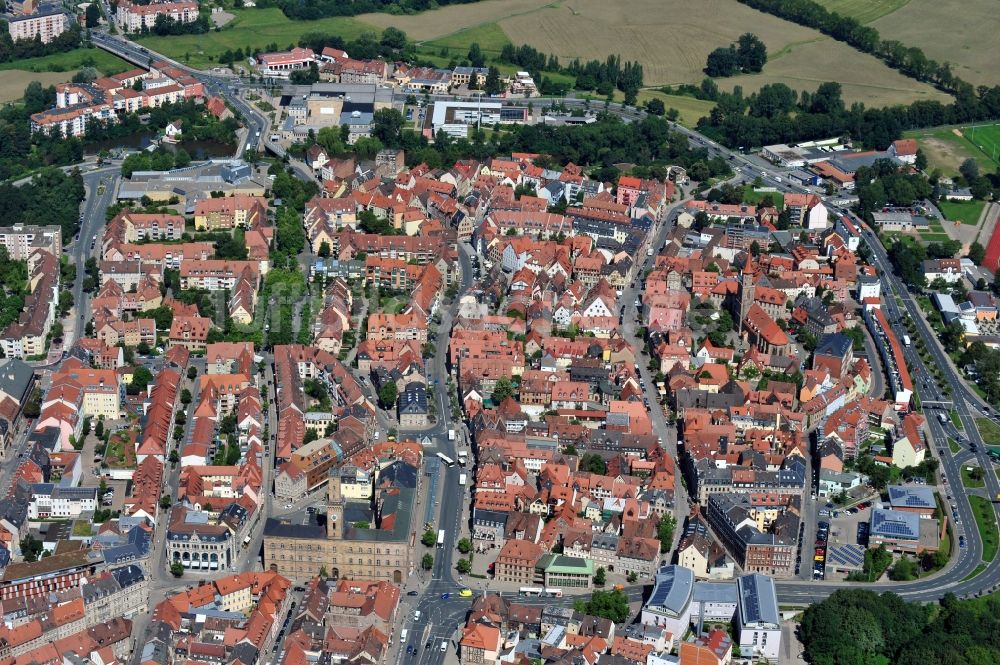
point(334, 509)
point(745, 295)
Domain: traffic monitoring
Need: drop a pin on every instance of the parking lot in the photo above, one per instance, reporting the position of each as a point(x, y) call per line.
point(843, 531)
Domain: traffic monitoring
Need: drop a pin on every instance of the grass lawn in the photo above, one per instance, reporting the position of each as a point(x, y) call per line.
point(750, 196)
point(71, 61)
point(82, 528)
point(252, 28)
point(985, 140)
point(956, 420)
point(965, 211)
point(980, 568)
point(969, 481)
point(934, 237)
point(691, 110)
point(989, 430)
point(953, 445)
point(986, 522)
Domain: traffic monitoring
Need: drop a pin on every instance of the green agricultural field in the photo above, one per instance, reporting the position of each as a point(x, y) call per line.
point(490, 37)
point(251, 29)
point(70, 61)
point(967, 212)
point(864, 11)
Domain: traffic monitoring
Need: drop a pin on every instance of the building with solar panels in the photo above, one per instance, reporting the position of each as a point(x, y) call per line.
point(917, 499)
point(669, 606)
point(902, 531)
point(758, 623)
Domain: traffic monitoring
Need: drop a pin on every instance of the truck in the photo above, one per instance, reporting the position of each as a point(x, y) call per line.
point(462, 478)
point(451, 435)
point(906, 340)
point(440, 542)
point(463, 457)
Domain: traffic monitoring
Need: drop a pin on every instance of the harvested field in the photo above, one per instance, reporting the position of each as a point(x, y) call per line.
point(964, 35)
point(454, 18)
point(669, 40)
point(865, 11)
point(864, 78)
point(14, 81)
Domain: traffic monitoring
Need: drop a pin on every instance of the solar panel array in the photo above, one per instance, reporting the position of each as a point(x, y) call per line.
point(894, 524)
point(847, 555)
point(664, 583)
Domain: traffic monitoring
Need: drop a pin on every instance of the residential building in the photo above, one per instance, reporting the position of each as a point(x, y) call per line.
point(131, 17)
point(46, 25)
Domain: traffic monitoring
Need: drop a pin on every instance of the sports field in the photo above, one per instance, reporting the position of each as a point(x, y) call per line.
point(947, 147)
point(250, 29)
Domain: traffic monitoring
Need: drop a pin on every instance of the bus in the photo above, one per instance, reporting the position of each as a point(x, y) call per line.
point(447, 460)
point(906, 340)
point(441, 538)
point(553, 593)
point(531, 591)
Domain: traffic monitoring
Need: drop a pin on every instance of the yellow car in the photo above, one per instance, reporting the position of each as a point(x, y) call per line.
point(465, 593)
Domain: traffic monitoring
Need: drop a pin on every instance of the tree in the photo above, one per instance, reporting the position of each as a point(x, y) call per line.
point(977, 253)
point(429, 538)
point(723, 61)
point(655, 106)
point(192, 372)
point(502, 390)
point(86, 428)
point(611, 605)
point(99, 429)
point(324, 249)
point(387, 125)
point(751, 52)
point(166, 501)
point(494, 86)
point(593, 463)
point(176, 569)
point(387, 394)
point(33, 407)
point(969, 170)
point(464, 546)
point(427, 561)
point(174, 456)
point(185, 396)
point(463, 566)
point(600, 577)
point(476, 57)
point(93, 15)
point(31, 548)
point(665, 531)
